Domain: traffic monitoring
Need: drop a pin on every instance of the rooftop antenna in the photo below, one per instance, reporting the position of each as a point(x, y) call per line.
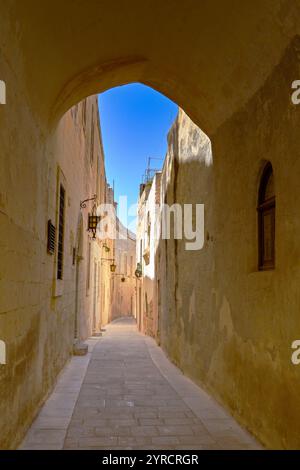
point(150, 172)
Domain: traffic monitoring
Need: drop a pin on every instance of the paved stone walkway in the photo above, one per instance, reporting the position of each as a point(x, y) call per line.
point(127, 395)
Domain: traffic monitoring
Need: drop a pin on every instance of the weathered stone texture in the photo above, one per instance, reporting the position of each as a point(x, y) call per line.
point(123, 301)
point(226, 324)
point(37, 317)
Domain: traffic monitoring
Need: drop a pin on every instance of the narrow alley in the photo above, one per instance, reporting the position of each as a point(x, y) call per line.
point(149, 226)
point(131, 397)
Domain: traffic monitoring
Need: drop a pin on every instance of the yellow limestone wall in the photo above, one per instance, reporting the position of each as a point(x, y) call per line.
point(37, 317)
point(227, 325)
point(147, 241)
point(124, 293)
point(48, 67)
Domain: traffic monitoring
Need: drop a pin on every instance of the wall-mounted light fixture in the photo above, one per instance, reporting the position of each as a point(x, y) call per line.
point(138, 272)
point(93, 221)
point(113, 266)
point(93, 218)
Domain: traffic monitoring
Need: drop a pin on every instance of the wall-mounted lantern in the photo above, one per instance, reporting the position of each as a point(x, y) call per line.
point(93, 218)
point(123, 279)
point(113, 266)
point(138, 272)
point(93, 221)
point(106, 248)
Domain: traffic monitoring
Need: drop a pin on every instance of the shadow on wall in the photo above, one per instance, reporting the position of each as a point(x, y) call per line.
point(226, 324)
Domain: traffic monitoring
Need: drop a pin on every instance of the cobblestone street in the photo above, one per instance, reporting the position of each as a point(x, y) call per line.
point(127, 395)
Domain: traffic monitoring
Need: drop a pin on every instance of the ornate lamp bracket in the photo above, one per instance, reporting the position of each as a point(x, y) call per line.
point(83, 203)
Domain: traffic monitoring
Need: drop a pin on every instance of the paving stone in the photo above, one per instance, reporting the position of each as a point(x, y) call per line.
point(202, 439)
point(48, 422)
point(127, 395)
point(124, 431)
point(169, 413)
point(80, 431)
point(121, 421)
point(165, 441)
point(151, 421)
point(178, 421)
point(134, 442)
point(95, 442)
point(144, 431)
point(179, 430)
point(45, 436)
point(145, 413)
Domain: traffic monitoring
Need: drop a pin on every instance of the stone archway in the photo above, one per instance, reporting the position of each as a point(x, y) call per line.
point(203, 55)
point(226, 64)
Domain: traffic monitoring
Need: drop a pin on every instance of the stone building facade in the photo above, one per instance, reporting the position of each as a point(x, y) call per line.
point(124, 280)
point(146, 246)
point(227, 322)
point(50, 295)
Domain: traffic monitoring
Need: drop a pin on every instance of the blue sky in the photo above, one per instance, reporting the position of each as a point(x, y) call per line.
point(135, 120)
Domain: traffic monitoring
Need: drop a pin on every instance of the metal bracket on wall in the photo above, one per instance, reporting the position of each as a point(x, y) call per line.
point(83, 203)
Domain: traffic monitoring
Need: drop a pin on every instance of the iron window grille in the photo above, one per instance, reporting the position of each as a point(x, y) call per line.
point(51, 232)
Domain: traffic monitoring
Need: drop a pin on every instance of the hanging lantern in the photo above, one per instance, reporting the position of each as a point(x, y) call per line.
point(92, 224)
point(113, 267)
point(138, 272)
point(93, 220)
point(106, 248)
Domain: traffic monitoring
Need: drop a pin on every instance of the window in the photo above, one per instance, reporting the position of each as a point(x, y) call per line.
point(266, 220)
point(61, 226)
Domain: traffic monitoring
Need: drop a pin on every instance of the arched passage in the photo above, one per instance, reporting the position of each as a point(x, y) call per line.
point(203, 55)
point(230, 67)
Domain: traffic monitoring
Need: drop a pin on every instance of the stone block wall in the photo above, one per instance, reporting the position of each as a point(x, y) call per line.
point(226, 324)
point(37, 312)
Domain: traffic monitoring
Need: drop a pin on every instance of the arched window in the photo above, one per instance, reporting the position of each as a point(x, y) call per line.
point(266, 220)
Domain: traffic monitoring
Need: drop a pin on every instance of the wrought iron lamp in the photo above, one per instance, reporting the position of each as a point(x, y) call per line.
point(93, 218)
point(113, 266)
point(106, 248)
point(92, 224)
point(138, 272)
